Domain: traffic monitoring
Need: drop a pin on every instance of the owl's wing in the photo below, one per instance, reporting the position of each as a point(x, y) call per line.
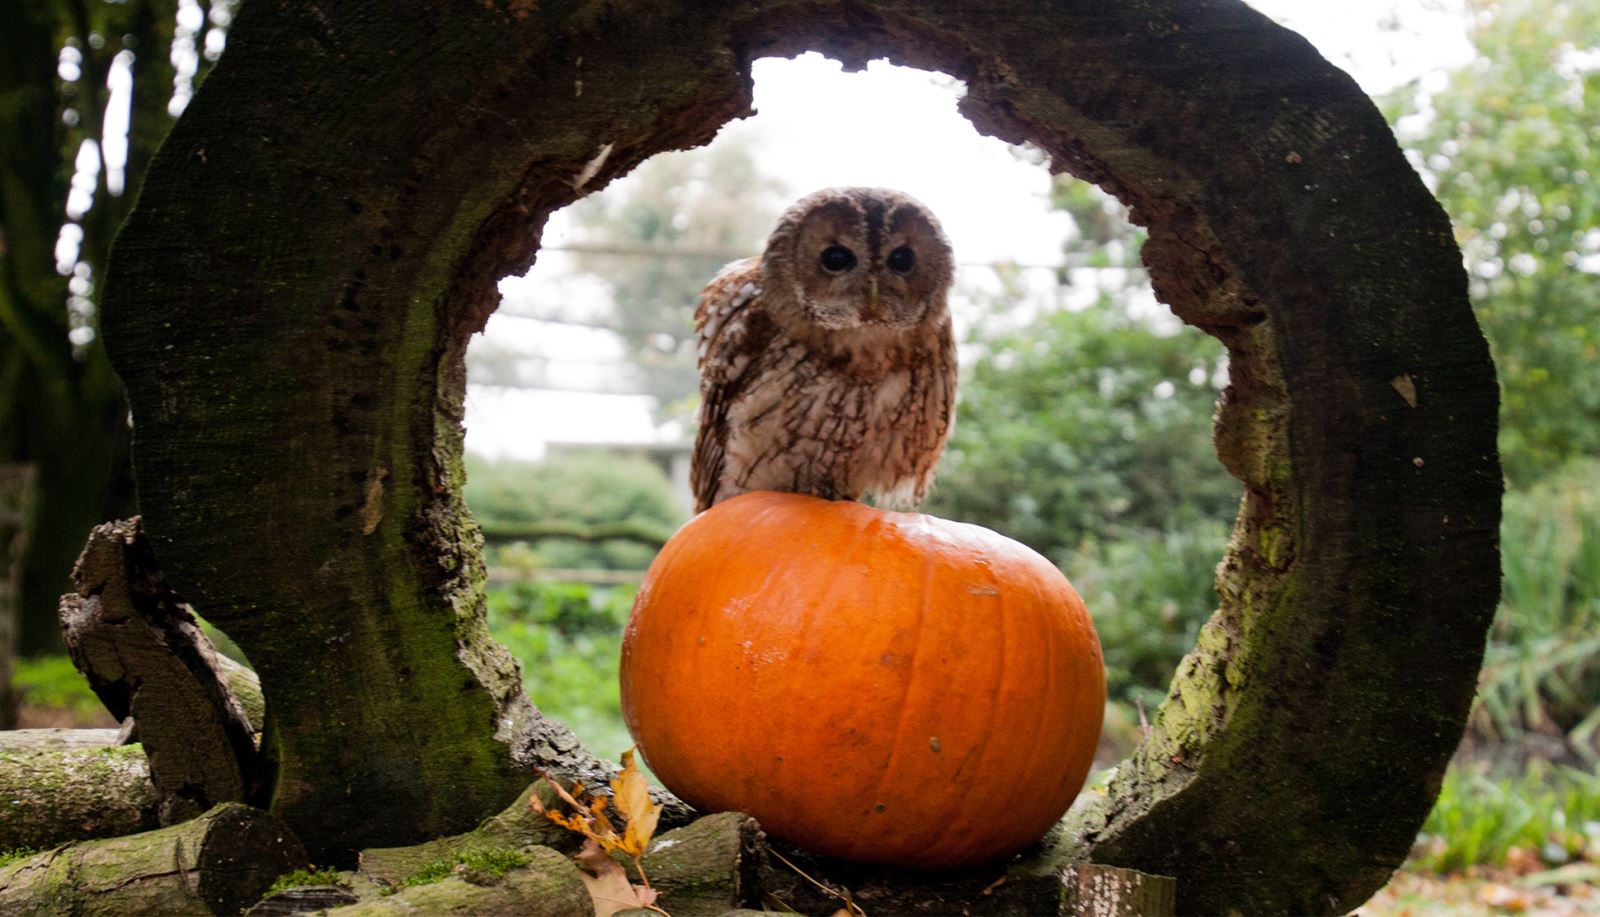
point(722, 329)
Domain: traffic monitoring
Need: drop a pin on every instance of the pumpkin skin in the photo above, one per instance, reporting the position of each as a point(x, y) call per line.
point(883, 687)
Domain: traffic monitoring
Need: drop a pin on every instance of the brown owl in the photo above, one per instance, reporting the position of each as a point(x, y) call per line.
point(828, 364)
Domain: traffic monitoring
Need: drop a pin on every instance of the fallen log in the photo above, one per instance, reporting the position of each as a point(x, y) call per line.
point(50, 796)
point(145, 656)
point(16, 741)
point(516, 827)
point(549, 885)
point(215, 864)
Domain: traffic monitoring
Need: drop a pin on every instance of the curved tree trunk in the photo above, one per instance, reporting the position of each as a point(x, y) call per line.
point(290, 305)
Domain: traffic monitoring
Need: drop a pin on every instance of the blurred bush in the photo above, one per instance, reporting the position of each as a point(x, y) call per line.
point(580, 490)
point(568, 638)
point(1542, 670)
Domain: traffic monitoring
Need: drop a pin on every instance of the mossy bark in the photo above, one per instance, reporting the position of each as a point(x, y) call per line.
point(549, 885)
point(215, 864)
point(290, 303)
point(518, 826)
point(51, 796)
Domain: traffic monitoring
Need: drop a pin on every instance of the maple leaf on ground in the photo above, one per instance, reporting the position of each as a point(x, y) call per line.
point(608, 883)
point(604, 877)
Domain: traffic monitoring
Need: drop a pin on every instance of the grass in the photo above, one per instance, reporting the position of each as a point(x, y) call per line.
point(7, 857)
point(1546, 814)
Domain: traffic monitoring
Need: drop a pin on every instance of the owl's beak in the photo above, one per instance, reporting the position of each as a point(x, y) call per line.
point(872, 299)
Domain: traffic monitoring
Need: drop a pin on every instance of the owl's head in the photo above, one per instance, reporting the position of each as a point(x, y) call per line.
point(858, 258)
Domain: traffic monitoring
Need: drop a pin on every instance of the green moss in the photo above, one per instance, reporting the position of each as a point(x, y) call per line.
point(304, 877)
point(490, 861)
point(7, 857)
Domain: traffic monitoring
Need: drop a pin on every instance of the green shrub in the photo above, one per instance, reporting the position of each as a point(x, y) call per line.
point(53, 682)
point(568, 637)
point(1552, 812)
point(1148, 594)
point(1542, 668)
point(585, 491)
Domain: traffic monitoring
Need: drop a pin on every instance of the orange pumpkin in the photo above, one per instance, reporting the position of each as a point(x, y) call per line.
point(884, 687)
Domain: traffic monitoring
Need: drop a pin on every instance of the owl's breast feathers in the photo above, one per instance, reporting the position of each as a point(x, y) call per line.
point(838, 418)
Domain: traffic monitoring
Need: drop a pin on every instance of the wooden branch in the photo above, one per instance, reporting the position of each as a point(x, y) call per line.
point(50, 796)
point(145, 656)
point(549, 885)
point(217, 863)
point(27, 740)
point(16, 506)
point(517, 826)
point(1106, 891)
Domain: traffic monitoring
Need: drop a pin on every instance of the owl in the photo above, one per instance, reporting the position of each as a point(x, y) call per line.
point(828, 364)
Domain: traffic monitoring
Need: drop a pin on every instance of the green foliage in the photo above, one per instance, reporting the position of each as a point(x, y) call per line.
point(1542, 671)
point(7, 857)
point(588, 490)
point(1148, 594)
point(1512, 146)
point(492, 861)
point(569, 639)
point(1086, 425)
point(1552, 812)
point(306, 877)
point(54, 682)
point(706, 203)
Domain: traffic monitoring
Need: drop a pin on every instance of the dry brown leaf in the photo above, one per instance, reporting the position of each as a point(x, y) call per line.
point(604, 877)
point(608, 884)
point(632, 799)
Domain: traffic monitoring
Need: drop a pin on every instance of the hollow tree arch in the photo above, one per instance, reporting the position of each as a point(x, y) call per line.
point(322, 232)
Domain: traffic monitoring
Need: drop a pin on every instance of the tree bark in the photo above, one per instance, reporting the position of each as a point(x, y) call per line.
point(144, 655)
point(16, 509)
point(29, 740)
point(347, 252)
point(518, 826)
point(54, 796)
point(215, 864)
point(1106, 891)
point(61, 406)
point(549, 885)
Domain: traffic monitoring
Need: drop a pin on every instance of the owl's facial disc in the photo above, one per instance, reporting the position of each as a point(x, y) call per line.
point(872, 261)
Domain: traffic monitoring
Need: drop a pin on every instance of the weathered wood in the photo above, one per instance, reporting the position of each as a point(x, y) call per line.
point(518, 826)
point(1093, 890)
point(708, 866)
point(215, 864)
point(549, 885)
point(145, 656)
point(13, 741)
point(290, 325)
point(307, 899)
point(16, 507)
point(55, 796)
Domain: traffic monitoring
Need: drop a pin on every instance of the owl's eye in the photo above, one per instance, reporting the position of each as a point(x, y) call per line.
point(901, 260)
point(837, 258)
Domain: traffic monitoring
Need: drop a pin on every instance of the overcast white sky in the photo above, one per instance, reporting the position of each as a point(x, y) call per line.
point(819, 126)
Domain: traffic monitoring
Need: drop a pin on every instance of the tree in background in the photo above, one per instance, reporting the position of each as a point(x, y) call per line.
point(1086, 434)
point(704, 206)
point(582, 491)
point(1511, 144)
point(85, 94)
